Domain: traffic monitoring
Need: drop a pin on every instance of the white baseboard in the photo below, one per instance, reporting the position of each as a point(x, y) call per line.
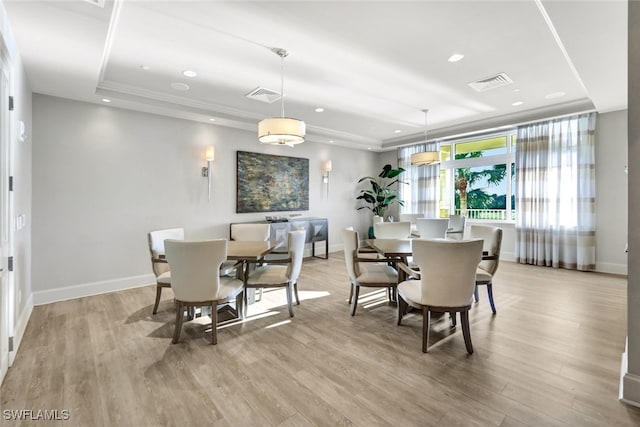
point(20, 327)
point(94, 288)
point(629, 390)
point(612, 268)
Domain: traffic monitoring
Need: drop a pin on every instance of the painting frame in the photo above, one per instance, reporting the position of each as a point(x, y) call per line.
point(271, 183)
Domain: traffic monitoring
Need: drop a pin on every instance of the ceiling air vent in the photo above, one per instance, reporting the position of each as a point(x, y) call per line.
point(99, 3)
point(491, 82)
point(263, 95)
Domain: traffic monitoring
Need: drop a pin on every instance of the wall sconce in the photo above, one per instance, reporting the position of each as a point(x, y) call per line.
point(326, 170)
point(209, 155)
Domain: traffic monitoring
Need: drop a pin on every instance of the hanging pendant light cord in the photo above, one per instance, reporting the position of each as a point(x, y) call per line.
point(282, 55)
point(425, 127)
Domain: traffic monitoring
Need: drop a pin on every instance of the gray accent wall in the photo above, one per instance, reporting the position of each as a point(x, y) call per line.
point(103, 177)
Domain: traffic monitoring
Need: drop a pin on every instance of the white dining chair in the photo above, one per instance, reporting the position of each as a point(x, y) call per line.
point(196, 280)
point(456, 227)
point(281, 273)
point(441, 288)
point(392, 230)
point(159, 263)
point(432, 228)
point(492, 238)
point(368, 272)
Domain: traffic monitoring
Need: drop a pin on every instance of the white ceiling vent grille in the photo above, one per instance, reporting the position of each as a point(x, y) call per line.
point(491, 82)
point(263, 95)
point(99, 3)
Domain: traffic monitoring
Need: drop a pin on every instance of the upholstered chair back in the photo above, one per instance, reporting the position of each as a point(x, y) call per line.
point(448, 268)
point(156, 246)
point(456, 226)
point(296, 253)
point(250, 232)
point(432, 228)
point(195, 268)
point(351, 242)
point(492, 238)
point(392, 230)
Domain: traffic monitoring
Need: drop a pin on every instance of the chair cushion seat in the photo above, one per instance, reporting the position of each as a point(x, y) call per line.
point(229, 288)
point(482, 276)
point(410, 290)
point(377, 273)
point(269, 275)
point(164, 278)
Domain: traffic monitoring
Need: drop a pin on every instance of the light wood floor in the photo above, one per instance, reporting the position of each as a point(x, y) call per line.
point(550, 357)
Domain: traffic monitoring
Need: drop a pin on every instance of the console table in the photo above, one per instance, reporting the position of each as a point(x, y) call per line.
point(317, 231)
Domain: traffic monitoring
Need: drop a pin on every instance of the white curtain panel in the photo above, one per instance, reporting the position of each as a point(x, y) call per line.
point(555, 193)
point(421, 195)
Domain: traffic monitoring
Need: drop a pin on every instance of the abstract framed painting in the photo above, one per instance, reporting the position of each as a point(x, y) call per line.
point(270, 183)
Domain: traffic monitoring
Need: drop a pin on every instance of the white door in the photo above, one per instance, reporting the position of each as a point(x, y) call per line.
point(5, 232)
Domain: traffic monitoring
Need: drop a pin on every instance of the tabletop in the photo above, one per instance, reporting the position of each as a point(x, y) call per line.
point(394, 248)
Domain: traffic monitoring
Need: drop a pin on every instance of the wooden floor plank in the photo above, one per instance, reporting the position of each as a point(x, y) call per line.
point(550, 356)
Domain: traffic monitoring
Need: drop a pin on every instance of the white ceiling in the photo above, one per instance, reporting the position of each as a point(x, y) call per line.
point(372, 65)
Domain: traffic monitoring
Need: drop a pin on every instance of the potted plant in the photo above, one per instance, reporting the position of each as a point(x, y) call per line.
point(381, 193)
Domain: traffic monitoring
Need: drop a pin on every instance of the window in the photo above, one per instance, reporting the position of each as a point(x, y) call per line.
point(479, 180)
point(476, 177)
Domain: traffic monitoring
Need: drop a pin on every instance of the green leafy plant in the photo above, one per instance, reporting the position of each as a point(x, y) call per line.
point(380, 193)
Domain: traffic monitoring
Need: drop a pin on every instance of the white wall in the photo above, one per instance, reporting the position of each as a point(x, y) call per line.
point(103, 177)
point(611, 192)
point(630, 369)
point(20, 169)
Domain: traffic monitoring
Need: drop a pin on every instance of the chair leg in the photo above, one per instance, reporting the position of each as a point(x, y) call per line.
point(290, 299)
point(179, 314)
point(426, 320)
point(245, 302)
point(490, 293)
point(453, 318)
point(295, 291)
point(240, 305)
point(476, 298)
point(354, 300)
point(214, 323)
point(389, 296)
point(350, 293)
point(158, 294)
point(466, 333)
point(402, 309)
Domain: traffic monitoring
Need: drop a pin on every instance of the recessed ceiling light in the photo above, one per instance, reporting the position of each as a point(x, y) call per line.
point(212, 119)
point(368, 148)
point(455, 57)
point(106, 100)
point(145, 67)
point(555, 95)
point(516, 90)
point(331, 142)
point(189, 73)
point(397, 131)
point(515, 104)
point(319, 110)
point(180, 86)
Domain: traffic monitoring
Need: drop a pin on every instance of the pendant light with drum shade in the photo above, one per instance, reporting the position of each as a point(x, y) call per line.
point(281, 130)
point(425, 157)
